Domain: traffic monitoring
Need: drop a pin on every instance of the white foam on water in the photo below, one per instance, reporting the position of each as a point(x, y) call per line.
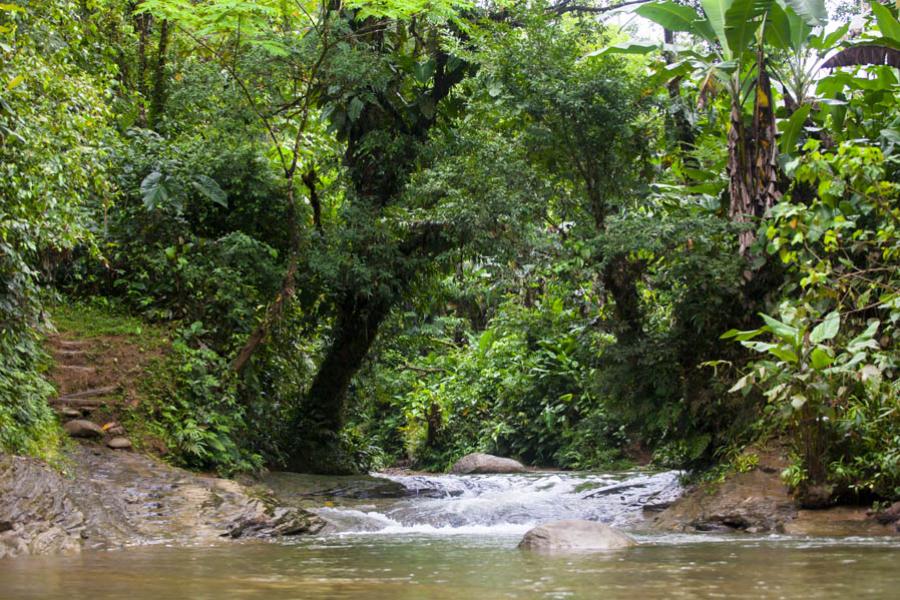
point(506, 504)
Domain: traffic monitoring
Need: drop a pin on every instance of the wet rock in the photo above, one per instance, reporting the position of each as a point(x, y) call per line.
point(82, 428)
point(119, 443)
point(359, 487)
point(70, 413)
point(113, 499)
point(889, 515)
point(486, 463)
point(575, 536)
point(757, 501)
point(754, 501)
point(281, 522)
point(37, 517)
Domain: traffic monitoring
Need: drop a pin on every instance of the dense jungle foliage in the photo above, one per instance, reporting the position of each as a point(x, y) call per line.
point(395, 231)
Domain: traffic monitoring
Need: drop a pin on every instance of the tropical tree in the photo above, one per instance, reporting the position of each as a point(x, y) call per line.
point(735, 58)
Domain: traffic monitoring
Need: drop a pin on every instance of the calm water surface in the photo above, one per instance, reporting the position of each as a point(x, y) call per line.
point(466, 567)
point(458, 541)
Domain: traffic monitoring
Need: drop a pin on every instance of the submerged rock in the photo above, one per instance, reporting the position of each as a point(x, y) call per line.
point(111, 499)
point(82, 428)
point(486, 463)
point(575, 536)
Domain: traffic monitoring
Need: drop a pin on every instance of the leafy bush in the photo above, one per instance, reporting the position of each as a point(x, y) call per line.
point(829, 363)
point(193, 407)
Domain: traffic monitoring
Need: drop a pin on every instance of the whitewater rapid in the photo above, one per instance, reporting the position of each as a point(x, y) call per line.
point(505, 504)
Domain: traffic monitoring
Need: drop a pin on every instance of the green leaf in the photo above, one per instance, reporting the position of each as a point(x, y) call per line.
point(715, 12)
point(828, 42)
point(784, 354)
point(209, 188)
point(813, 12)
point(14, 82)
point(791, 128)
point(154, 190)
point(741, 22)
point(778, 28)
point(423, 71)
point(827, 329)
point(624, 48)
point(864, 340)
point(785, 29)
point(797, 401)
point(741, 383)
point(676, 17)
point(821, 358)
point(354, 109)
point(887, 23)
point(781, 330)
point(485, 341)
point(741, 336)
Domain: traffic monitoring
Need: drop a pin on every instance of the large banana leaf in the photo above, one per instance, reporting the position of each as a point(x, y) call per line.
point(887, 23)
point(791, 129)
point(715, 13)
point(785, 29)
point(676, 17)
point(813, 12)
point(866, 54)
point(742, 20)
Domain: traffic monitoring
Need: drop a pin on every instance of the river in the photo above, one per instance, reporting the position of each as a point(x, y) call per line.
point(455, 538)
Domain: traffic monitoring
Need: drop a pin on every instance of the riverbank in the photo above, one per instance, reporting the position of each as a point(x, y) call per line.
point(104, 499)
point(757, 501)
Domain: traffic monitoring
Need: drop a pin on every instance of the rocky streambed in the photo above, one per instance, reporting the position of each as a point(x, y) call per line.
point(104, 499)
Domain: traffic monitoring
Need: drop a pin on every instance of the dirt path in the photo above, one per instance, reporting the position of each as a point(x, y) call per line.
point(97, 380)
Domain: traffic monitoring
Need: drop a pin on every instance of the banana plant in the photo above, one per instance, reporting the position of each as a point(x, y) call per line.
point(736, 33)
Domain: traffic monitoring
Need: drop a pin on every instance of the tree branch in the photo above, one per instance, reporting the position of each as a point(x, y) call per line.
point(567, 6)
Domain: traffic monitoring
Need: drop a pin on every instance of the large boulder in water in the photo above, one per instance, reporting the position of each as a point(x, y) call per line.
point(575, 536)
point(486, 463)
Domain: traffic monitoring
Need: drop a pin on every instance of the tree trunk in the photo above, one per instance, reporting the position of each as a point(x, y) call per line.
point(355, 331)
point(619, 278)
point(752, 166)
point(142, 21)
point(158, 96)
point(285, 294)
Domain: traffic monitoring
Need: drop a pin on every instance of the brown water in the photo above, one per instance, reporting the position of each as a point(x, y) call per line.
point(466, 567)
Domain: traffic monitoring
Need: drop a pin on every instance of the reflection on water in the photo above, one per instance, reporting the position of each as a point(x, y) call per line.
point(468, 567)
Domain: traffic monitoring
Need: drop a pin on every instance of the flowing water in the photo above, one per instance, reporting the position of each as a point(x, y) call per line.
point(455, 538)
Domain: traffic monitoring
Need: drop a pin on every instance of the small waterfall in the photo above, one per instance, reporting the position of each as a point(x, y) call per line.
point(506, 504)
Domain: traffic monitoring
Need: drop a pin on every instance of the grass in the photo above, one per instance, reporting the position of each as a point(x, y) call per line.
point(98, 317)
